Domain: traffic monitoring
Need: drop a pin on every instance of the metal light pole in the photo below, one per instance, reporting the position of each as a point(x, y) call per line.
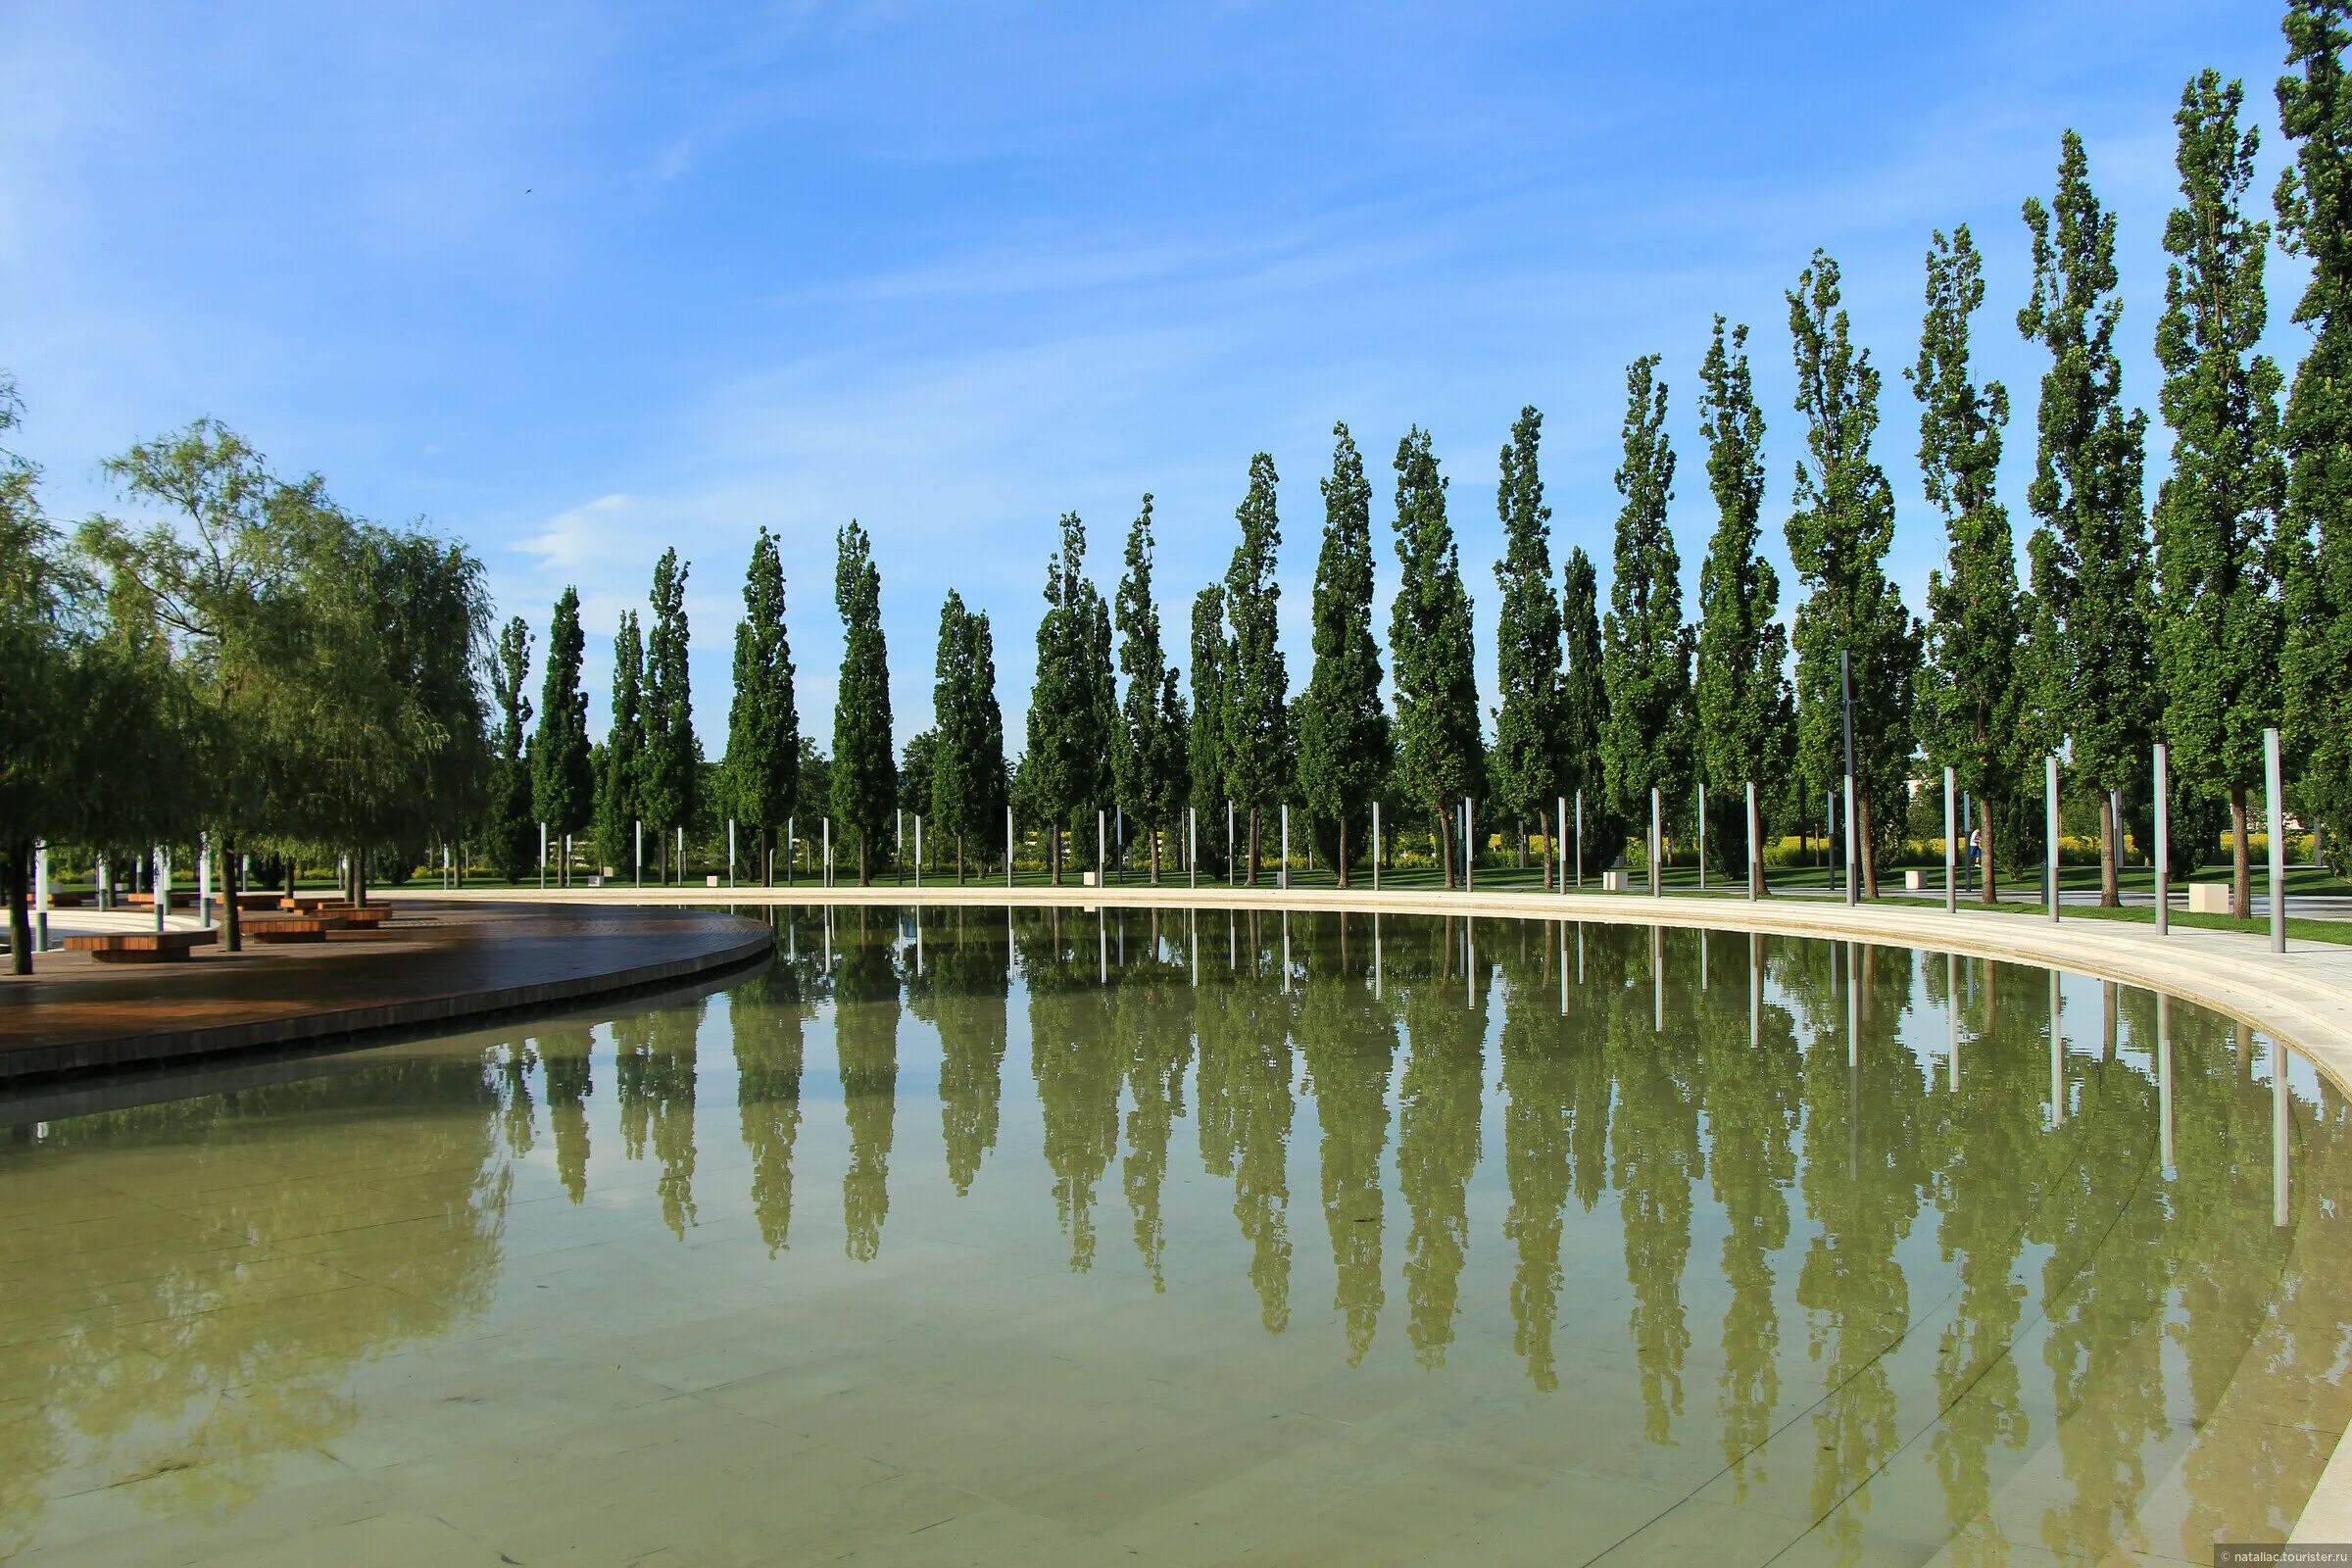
point(1579, 837)
point(1654, 842)
point(638, 851)
point(2274, 788)
point(1559, 839)
point(1286, 854)
point(1192, 841)
point(1703, 835)
point(1951, 848)
point(2163, 843)
point(730, 852)
point(1469, 854)
point(1845, 683)
point(1008, 846)
point(1755, 847)
point(918, 849)
point(1376, 846)
point(2050, 789)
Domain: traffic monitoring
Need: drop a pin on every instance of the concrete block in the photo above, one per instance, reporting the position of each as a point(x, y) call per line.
point(1086, 880)
point(1915, 881)
point(710, 881)
point(2209, 898)
point(1614, 881)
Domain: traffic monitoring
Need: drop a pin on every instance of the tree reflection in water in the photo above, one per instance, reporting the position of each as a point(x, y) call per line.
point(1750, 1165)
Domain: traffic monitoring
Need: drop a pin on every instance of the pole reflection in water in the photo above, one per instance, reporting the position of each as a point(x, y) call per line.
point(2008, 1330)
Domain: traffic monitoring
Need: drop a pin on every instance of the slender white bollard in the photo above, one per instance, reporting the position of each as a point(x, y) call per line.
point(2164, 847)
point(2278, 813)
point(1951, 848)
point(2051, 791)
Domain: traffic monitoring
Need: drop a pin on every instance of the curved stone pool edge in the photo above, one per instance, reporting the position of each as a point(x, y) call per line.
point(2302, 998)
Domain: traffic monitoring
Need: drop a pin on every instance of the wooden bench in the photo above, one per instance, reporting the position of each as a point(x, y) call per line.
point(146, 901)
point(250, 901)
point(290, 928)
point(367, 917)
point(141, 947)
point(307, 903)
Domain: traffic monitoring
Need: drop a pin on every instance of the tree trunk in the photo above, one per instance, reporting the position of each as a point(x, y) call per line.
point(2111, 844)
point(1340, 865)
point(1755, 859)
point(1551, 844)
point(865, 868)
point(20, 919)
point(2242, 856)
point(1520, 828)
point(2111, 854)
point(1991, 876)
point(1253, 878)
point(232, 924)
point(960, 859)
point(1865, 845)
point(1444, 846)
point(1154, 833)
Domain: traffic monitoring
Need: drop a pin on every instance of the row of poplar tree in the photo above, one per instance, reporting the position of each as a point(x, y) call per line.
point(2237, 618)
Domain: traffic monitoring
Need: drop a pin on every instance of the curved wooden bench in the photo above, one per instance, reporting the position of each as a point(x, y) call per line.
point(289, 928)
point(141, 947)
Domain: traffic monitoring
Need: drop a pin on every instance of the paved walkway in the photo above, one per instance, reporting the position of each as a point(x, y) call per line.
point(433, 964)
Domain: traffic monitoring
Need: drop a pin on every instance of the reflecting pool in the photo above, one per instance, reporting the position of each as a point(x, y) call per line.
point(960, 1235)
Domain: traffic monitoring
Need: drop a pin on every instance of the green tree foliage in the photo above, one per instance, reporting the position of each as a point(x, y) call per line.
point(673, 753)
point(1838, 532)
point(763, 765)
point(1440, 750)
point(563, 780)
point(1972, 690)
point(1743, 703)
point(2315, 219)
point(1525, 767)
point(1646, 647)
point(967, 783)
point(1066, 768)
point(1205, 748)
point(209, 576)
point(2219, 634)
point(94, 723)
point(1258, 682)
point(512, 832)
point(2092, 676)
point(1148, 748)
point(1583, 691)
point(865, 776)
point(1343, 754)
point(617, 808)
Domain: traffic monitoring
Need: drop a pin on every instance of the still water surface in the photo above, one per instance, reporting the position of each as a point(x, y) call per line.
point(967, 1235)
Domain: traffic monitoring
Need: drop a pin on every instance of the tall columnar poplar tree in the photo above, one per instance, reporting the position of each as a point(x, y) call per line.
point(1147, 751)
point(1067, 767)
point(672, 754)
point(513, 833)
point(2095, 676)
point(1971, 692)
point(1258, 683)
point(1741, 700)
point(2219, 635)
point(2315, 219)
point(1204, 750)
point(864, 773)
point(1344, 755)
point(562, 775)
point(1440, 750)
point(1838, 533)
point(1525, 767)
point(1646, 648)
point(762, 767)
point(967, 781)
point(1584, 696)
point(618, 801)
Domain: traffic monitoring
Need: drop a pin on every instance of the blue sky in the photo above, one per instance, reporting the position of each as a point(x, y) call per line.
point(579, 283)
